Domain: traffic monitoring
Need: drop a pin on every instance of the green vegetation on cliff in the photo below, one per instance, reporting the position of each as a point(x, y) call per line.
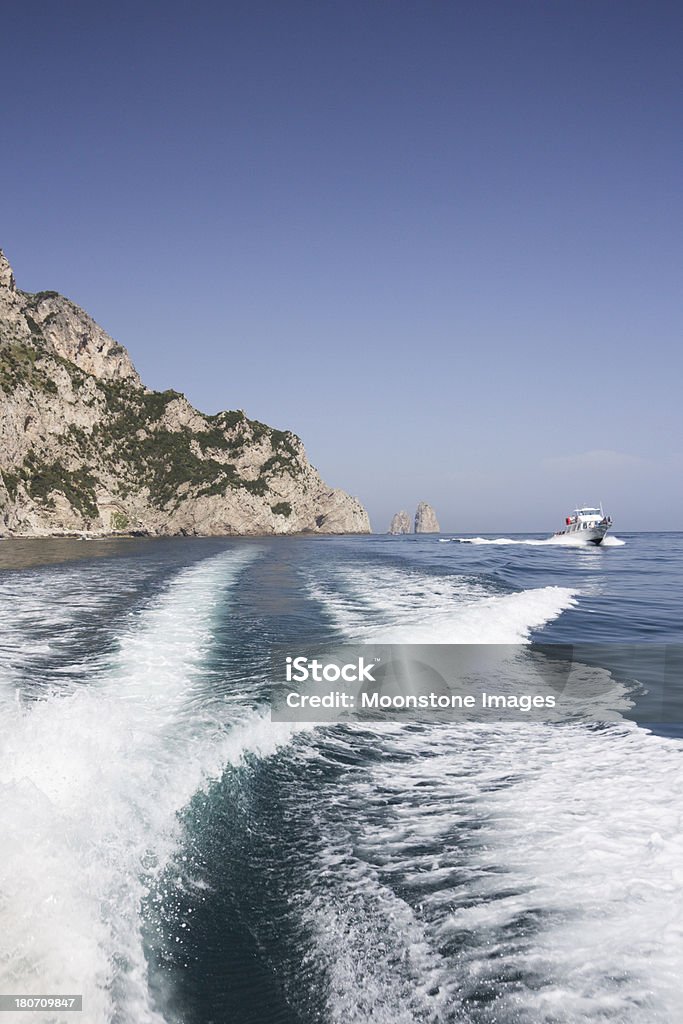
point(41, 478)
point(85, 445)
point(19, 364)
point(283, 508)
point(131, 439)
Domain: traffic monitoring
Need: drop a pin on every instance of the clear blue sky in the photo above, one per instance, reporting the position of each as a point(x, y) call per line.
point(441, 241)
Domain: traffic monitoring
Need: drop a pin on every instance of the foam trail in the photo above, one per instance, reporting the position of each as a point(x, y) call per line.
point(380, 964)
point(538, 868)
point(406, 606)
point(51, 624)
point(510, 873)
point(610, 944)
point(91, 782)
point(565, 541)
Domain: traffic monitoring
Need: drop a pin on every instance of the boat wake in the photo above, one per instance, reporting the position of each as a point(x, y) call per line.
point(562, 541)
point(487, 874)
point(92, 778)
point(496, 872)
point(387, 872)
point(402, 606)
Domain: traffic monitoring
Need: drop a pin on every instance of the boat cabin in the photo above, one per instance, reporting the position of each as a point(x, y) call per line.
point(583, 519)
point(591, 520)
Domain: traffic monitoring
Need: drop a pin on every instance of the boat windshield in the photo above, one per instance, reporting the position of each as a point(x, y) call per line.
point(588, 511)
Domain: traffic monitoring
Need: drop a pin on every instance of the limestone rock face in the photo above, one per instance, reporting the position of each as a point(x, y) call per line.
point(6, 274)
point(401, 523)
point(85, 447)
point(425, 519)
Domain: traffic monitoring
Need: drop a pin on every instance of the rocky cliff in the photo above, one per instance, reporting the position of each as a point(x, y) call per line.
point(86, 447)
point(425, 519)
point(401, 523)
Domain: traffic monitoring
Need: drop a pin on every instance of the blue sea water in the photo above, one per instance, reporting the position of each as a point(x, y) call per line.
point(175, 856)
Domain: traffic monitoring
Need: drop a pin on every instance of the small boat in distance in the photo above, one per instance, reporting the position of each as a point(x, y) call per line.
point(586, 524)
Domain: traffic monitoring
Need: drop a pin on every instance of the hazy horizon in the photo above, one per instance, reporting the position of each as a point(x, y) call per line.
point(440, 242)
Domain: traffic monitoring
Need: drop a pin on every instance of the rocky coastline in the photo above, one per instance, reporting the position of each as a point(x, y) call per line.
point(87, 450)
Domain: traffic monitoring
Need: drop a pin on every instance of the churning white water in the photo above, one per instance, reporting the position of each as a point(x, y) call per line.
point(456, 873)
point(91, 780)
point(562, 540)
point(389, 605)
point(519, 873)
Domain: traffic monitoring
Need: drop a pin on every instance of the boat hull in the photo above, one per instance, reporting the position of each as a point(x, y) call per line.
point(591, 535)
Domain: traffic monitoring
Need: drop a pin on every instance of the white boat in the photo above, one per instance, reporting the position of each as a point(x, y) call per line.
point(586, 524)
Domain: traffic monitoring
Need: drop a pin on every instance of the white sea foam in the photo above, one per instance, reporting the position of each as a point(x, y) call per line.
point(379, 963)
point(511, 873)
point(557, 852)
point(388, 605)
point(562, 540)
point(91, 781)
point(590, 834)
point(46, 606)
point(528, 872)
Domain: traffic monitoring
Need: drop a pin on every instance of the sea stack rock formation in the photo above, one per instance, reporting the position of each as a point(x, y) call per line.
point(425, 519)
point(401, 523)
point(85, 447)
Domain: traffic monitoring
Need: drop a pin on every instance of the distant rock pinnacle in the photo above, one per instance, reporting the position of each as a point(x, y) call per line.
point(425, 519)
point(400, 523)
